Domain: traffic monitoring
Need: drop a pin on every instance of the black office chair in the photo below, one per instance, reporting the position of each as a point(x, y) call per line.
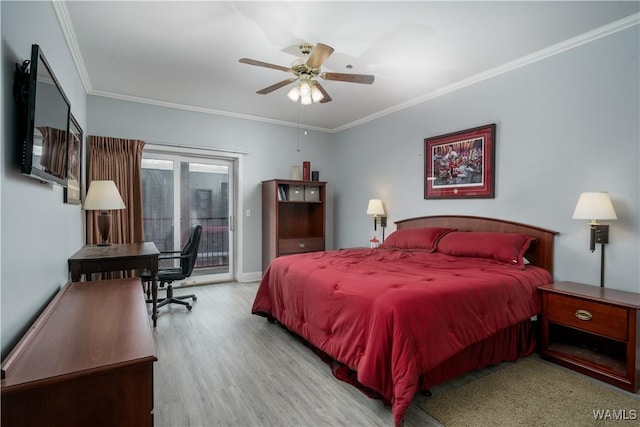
point(168, 275)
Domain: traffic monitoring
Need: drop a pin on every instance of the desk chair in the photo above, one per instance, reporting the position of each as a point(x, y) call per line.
point(168, 275)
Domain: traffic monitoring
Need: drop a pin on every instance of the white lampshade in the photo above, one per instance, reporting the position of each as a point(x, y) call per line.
point(594, 206)
point(103, 196)
point(306, 99)
point(316, 95)
point(294, 94)
point(306, 92)
point(376, 208)
point(305, 89)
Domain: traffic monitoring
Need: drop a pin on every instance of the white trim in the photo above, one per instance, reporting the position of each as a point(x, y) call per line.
point(235, 160)
point(196, 109)
point(239, 219)
point(255, 276)
point(168, 148)
point(604, 31)
point(596, 34)
point(62, 13)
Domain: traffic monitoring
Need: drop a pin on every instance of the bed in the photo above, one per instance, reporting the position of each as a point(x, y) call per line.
point(442, 296)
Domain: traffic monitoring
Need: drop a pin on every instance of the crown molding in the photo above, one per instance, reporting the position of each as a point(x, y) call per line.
point(598, 33)
point(204, 110)
point(558, 48)
point(62, 14)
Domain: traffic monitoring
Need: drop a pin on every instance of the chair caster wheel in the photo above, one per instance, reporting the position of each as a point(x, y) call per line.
point(195, 298)
point(189, 307)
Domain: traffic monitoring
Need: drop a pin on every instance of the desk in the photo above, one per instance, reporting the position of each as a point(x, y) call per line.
point(117, 257)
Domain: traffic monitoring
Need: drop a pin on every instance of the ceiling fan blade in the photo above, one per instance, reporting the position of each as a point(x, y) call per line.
point(264, 64)
point(271, 88)
point(319, 54)
point(351, 78)
point(326, 97)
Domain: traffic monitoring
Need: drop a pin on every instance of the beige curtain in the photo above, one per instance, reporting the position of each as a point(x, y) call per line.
point(118, 160)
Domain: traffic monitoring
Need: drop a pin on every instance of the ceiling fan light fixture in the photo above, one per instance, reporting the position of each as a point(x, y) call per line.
point(305, 70)
point(316, 95)
point(306, 99)
point(294, 94)
point(305, 89)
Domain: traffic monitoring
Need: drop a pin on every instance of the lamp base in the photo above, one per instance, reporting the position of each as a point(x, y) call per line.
point(104, 227)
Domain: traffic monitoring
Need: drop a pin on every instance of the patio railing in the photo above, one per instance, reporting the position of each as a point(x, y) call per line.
point(214, 245)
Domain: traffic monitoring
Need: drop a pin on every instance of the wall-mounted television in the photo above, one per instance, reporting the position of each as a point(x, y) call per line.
point(43, 120)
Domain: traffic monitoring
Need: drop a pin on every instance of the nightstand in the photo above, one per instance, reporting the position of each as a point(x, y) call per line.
point(593, 330)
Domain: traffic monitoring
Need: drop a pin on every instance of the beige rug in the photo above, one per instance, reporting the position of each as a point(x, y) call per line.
point(532, 392)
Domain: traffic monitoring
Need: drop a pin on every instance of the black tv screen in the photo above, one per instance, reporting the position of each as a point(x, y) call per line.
point(43, 120)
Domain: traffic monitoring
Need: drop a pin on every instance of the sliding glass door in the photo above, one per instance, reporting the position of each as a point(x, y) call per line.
point(179, 192)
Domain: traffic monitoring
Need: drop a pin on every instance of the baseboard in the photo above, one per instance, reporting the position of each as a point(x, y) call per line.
point(250, 277)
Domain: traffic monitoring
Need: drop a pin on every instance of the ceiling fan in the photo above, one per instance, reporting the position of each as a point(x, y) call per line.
point(305, 71)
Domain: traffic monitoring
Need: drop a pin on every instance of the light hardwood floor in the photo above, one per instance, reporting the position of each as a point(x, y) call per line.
point(219, 365)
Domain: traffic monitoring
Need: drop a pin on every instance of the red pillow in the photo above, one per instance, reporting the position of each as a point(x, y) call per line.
point(425, 238)
point(507, 248)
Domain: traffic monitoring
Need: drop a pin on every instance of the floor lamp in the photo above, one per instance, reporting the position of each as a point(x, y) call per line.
point(596, 206)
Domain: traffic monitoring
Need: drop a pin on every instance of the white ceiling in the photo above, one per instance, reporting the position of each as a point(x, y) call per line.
point(185, 54)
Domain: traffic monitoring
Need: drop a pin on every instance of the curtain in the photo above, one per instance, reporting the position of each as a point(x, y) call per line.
point(118, 160)
point(54, 151)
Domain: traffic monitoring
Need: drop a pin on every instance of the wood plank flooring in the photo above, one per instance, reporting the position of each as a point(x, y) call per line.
point(219, 365)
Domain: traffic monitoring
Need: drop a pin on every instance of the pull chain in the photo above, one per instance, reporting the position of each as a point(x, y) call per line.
point(298, 128)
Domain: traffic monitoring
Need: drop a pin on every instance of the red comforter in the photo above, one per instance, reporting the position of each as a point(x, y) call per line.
point(391, 315)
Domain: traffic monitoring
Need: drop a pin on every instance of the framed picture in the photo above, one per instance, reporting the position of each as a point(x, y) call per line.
point(460, 165)
point(72, 192)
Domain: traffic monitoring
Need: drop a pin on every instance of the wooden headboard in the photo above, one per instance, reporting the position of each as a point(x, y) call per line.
point(540, 252)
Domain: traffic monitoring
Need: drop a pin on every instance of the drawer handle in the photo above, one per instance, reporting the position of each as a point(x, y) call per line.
point(301, 245)
point(583, 315)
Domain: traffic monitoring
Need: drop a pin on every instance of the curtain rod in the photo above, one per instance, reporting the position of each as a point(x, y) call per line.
point(192, 147)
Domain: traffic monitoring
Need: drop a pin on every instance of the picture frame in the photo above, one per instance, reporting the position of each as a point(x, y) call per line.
point(460, 165)
point(73, 190)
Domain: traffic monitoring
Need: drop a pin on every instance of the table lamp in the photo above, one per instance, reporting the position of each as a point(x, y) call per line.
point(596, 206)
point(103, 196)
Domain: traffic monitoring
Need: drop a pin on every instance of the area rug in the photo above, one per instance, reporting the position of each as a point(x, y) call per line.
point(532, 392)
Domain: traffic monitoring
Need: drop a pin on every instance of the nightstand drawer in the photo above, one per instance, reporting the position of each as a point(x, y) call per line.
point(294, 246)
point(590, 316)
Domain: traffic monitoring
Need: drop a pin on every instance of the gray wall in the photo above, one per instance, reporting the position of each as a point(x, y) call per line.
point(270, 150)
point(39, 232)
point(565, 125)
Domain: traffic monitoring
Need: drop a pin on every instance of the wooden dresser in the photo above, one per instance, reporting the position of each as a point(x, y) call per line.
point(87, 360)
